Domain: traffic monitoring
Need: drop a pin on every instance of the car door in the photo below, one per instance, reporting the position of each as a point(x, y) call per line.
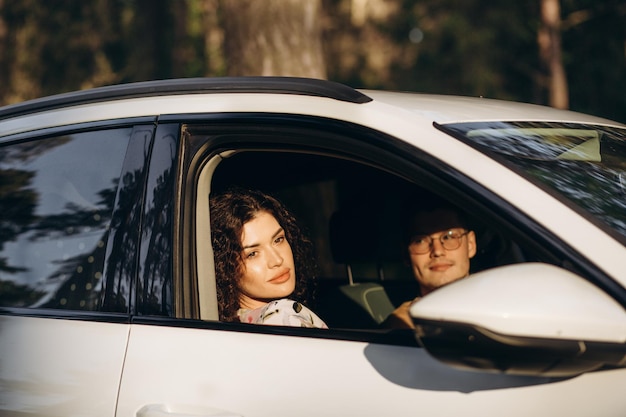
point(182, 361)
point(70, 201)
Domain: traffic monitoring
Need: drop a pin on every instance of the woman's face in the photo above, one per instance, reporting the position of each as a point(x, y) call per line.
point(268, 268)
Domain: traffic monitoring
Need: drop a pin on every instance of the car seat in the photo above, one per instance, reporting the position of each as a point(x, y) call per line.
point(355, 240)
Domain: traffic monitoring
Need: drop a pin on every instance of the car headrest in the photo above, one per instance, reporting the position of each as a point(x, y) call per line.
point(368, 232)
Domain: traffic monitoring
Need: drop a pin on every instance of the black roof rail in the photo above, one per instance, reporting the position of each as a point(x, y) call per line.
point(280, 85)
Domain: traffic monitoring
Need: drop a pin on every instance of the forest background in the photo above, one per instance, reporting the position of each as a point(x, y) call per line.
point(563, 53)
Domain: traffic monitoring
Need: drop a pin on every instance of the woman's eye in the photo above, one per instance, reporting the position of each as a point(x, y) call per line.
point(279, 239)
point(251, 255)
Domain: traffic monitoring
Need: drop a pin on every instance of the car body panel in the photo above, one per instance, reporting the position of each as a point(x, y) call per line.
point(271, 375)
point(60, 367)
point(168, 363)
point(455, 109)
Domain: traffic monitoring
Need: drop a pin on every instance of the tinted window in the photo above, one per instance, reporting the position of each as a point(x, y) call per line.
point(56, 198)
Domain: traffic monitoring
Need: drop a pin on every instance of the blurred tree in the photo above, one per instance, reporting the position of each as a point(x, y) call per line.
point(480, 48)
point(365, 41)
point(205, 36)
point(465, 47)
point(442, 46)
point(273, 37)
point(152, 51)
point(50, 47)
point(549, 40)
point(594, 53)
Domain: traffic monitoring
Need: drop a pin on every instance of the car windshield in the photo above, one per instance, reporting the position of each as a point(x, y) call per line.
point(585, 164)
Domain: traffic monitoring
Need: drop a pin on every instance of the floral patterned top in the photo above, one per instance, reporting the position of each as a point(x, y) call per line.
point(283, 312)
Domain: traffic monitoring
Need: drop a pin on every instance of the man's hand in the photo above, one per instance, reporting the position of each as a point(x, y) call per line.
point(400, 317)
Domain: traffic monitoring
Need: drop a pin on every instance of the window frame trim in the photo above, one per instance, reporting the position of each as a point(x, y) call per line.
point(363, 145)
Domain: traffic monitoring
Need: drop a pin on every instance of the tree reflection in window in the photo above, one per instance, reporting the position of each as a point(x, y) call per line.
point(583, 164)
point(57, 197)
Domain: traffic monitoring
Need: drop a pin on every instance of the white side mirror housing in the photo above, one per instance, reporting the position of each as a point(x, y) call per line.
point(531, 319)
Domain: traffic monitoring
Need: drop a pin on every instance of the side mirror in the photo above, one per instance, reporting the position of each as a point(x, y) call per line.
point(525, 319)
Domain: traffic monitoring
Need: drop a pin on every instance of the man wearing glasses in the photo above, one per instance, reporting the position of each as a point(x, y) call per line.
point(439, 248)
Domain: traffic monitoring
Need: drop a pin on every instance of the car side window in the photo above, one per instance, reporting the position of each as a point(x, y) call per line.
point(349, 204)
point(56, 197)
point(313, 187)
point(351, 212)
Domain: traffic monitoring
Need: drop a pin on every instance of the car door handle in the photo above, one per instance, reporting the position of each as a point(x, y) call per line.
point(162, 410)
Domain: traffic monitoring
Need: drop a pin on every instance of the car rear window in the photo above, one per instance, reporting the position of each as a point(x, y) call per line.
point(56, 197)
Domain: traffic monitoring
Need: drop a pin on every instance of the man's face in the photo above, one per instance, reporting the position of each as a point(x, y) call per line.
point(440, 266)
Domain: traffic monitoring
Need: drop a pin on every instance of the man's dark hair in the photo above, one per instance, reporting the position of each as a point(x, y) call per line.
point(426, 202)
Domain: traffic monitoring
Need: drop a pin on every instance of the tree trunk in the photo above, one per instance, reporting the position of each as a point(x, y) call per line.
point(549, 39)
point(149, 49)
point(213, 38)
point(273, 37)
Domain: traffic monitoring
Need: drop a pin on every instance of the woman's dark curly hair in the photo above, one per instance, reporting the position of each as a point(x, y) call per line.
point(229, 212)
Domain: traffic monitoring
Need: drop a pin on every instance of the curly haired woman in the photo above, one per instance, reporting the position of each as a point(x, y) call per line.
point(262, 261)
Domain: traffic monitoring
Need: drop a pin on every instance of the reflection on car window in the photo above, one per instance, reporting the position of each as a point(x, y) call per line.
point(56, 198)
point(585, 164)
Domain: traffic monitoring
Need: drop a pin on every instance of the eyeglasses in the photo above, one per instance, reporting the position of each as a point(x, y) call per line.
point(450, 240)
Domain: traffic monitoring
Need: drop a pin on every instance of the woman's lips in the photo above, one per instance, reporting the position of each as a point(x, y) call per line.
point(279, 279)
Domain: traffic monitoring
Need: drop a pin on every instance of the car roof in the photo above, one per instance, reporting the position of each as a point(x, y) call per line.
point(276, 85)
point(438, 108)
point(459, 109)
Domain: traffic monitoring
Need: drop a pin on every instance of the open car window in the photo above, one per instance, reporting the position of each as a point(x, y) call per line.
point(347, 203)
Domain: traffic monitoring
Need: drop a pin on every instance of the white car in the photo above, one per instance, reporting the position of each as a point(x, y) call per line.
point(107, 287)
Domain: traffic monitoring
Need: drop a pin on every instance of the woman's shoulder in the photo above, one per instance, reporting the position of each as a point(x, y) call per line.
point(283, 312)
